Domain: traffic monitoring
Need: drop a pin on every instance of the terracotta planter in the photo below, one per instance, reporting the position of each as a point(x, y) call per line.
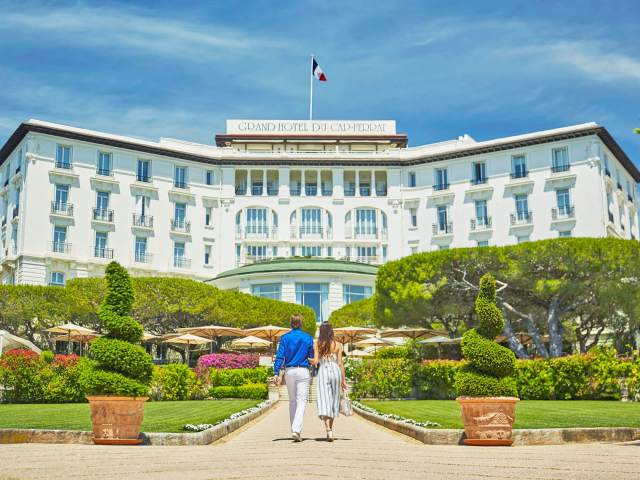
point(488, 420)
point(116, 420)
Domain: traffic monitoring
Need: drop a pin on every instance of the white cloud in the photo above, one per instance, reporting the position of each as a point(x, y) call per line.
point(105, 27)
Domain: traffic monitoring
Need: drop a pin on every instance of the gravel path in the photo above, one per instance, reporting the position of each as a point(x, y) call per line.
point(362, 450)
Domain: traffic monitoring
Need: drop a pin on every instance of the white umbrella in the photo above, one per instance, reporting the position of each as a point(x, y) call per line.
point(268, 332)
point(8, 340)
point(375, 341)
point(250, 342)
point(412, 333)
point(187, 340)
point(212, 331)
point(358, 353)
point(349, 334)
point(69, 329)
point(441, 340)
point(81, 338)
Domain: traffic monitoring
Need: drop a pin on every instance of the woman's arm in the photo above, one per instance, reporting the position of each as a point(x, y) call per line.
point(341, 363)
point(314, 360)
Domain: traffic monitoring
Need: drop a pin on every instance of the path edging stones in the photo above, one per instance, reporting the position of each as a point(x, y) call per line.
point(543, 436)
point(32, 435)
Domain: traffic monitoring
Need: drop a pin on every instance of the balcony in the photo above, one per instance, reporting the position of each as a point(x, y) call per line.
point(62, 209)
point(438, 187)
point(564, 213)
point(367, 233)
point(311, 190)
point(327, 190)
point(102, 252)
point(241, 189)
point(143, 178)
point(295, 191)
point(365, 191)
point(442, 229)
point(272, 190)
point(350, 192)
point(381, 191)
point(256, 190)
point(104, 172)
point(180, 225)
point(142, 221)
point(561, 168)
point(479, 181)
point(102, 215)
point(372, 259)
point(256, 231)
point(143, 257)
point(181, 262)
point(60, 247)
point(63, 165)
point(481, 224)
point(310, 231)
point(519, 174)
point(521, 219)
point(180, 184)
point(256, 258)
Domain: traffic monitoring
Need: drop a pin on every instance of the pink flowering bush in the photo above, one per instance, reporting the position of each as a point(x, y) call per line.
point(228, 361)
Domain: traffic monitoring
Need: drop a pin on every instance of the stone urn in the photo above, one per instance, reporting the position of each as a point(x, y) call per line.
point(488, 420)
point(116, 420)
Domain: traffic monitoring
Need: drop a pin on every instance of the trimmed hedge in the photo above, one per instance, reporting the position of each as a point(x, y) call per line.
point(253, 391)
point(383, 378)
point(175, 381)
point(240, 376)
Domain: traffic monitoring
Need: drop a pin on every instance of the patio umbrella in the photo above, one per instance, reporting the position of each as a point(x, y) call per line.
point(69, 329)
point(212, 331)
point(375, 341)
point(9, 340)
point(440, 340)
point(268, 332)
point(250, 342)
point(81, 338)
point(187, 340)
point(358, 353)
point(349, 334)
point(146, 337)
point(412, 333)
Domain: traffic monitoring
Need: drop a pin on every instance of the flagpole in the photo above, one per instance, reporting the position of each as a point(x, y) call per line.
point(311, 91)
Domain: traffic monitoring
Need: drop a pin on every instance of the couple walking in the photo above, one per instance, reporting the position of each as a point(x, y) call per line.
point(296, 353)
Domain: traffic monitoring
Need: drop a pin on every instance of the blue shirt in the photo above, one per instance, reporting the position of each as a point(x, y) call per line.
point(295, 350)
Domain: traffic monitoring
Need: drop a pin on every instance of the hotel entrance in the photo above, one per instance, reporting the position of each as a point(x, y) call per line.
point(315, 296)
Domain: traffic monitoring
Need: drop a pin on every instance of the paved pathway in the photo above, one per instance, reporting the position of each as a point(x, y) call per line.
point(362, 450)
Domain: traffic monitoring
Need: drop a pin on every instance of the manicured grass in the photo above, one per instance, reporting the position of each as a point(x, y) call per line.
point(529, 413)
point(158, 416)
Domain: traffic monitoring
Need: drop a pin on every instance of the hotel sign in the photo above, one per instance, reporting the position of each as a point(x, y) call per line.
point(311, 127)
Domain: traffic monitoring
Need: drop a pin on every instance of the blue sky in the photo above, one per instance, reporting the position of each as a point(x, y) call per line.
point(441, 69)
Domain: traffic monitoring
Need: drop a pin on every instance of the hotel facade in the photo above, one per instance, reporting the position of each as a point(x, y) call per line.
point(302, 211)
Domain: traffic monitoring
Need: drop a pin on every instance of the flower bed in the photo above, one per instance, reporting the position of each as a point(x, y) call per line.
point(393, 416)
point(228, 361)
point(205, 426)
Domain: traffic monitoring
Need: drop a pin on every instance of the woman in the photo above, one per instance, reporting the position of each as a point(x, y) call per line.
point(331, 378)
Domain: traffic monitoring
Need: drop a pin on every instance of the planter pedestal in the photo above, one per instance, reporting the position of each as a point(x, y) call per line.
point(116, 420)
point(488, 421)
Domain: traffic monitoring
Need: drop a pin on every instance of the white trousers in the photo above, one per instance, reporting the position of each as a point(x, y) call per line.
point(297, 380)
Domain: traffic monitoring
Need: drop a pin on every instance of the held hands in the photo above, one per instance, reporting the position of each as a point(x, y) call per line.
point(344, 384)
point(277, 380)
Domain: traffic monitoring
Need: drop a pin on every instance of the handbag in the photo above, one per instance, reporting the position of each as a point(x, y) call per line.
point(346, 408)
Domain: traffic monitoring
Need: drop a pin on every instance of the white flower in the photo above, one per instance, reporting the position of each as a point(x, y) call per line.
point(393, 416)
point(206, 426)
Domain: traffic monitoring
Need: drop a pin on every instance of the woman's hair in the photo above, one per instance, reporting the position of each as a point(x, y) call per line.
point(296, 321)
point(325, 340)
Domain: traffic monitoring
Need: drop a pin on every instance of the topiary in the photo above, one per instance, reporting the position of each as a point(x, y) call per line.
point(490, 366)
point(120, 366)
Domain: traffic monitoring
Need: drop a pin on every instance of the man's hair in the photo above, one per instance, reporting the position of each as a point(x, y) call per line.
point(296, 320)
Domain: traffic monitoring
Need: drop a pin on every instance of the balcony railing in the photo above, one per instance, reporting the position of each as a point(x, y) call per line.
point(103, 252)
point(241, 189)
point(479, 181)
point(260, 230)
point(60, 247)
point(311, 190)
point(143, 257)
point(256, 258)
point(374, 259)
point(481, 223)
point(365, 191)
point(327, 191)
point(256, 189)
point(295, 191)
point(104, 172)
point(520, 174)
point(312, 230)
point(143, 178)
point(63, 165)
point(381, 191)
point(180, 184)
point(442, 228)
point(521, 218)
point(365, 232)
point(564, 167)
point(59, 208)
point(181, 262)
point(145, 221)
point(441, 186)
point(564, 212)
point(180, 225)
point(272, 190)
point(103, 215)
point(350, 192)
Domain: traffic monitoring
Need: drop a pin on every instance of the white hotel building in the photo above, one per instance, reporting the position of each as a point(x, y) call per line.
point(296, 210)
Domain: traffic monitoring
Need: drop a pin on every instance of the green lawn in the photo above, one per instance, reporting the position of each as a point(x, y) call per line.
point(158, 416)
point(529, 413)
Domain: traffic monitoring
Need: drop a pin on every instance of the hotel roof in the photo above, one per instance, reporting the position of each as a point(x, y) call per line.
point(300, 265)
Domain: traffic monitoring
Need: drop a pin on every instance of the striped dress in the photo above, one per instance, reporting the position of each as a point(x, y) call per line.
point(328, 387)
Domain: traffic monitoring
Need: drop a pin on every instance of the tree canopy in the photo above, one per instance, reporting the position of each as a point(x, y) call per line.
point(355, 314)
point(569, 289)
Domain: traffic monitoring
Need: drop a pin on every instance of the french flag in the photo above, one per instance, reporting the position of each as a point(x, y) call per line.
point(317, 72)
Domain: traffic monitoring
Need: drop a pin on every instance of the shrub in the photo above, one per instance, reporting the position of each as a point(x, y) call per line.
point(490, 365)
point(47, 356)
point(228, 361)
point(120, 367)
point(248, 391)
point(534, 380)
point(223, 392)
point(393, 352)
point(383, 378)
point(63, 384)
point(21, 376)
point(175, 381)
point(239, 376)
point(435, 379)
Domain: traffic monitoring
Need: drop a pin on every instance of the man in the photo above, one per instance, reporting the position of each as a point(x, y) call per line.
point(294, 352)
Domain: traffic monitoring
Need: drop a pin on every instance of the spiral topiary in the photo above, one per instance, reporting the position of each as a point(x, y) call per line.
point(490, 366)
point(120, 366)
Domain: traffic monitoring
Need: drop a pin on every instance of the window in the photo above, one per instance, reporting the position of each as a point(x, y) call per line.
point(180, 213)
point(60, 239)
point(441, 181)
point(310, 221)
point(316, 296)
point(209, 177)
point(610, 206)
point(293, 251)
point(519, 166)
point(522, 238)
point(366, 254)
point(102, 201)
point(56, 279)
point(100, 250)
point(442, 218)
point(564, 203)
point(564, 233)
point(482, 217)
point(267, 290)
point(413, 212)
point(479, 173)
point(208, 220)
point(257, 252)
point(207, 254)
point(329, 251)
point(384, 253)
point(353, 293)
point(560, 160)
point(412, 179)
point(180, 177)
point(607, 172)
point(238, 253)
point(144, 171)
point(104, 164)
point(178, 250)
point(443, 247)
point(63, 156)
point(522, 207)
point(366, 221)
point(141, 250)
point(413, 250)
point(483, 243)
point(256, 220)
point(311, 250)
point(62, 197)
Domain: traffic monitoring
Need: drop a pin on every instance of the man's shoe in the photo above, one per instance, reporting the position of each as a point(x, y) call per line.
point(296, 437)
